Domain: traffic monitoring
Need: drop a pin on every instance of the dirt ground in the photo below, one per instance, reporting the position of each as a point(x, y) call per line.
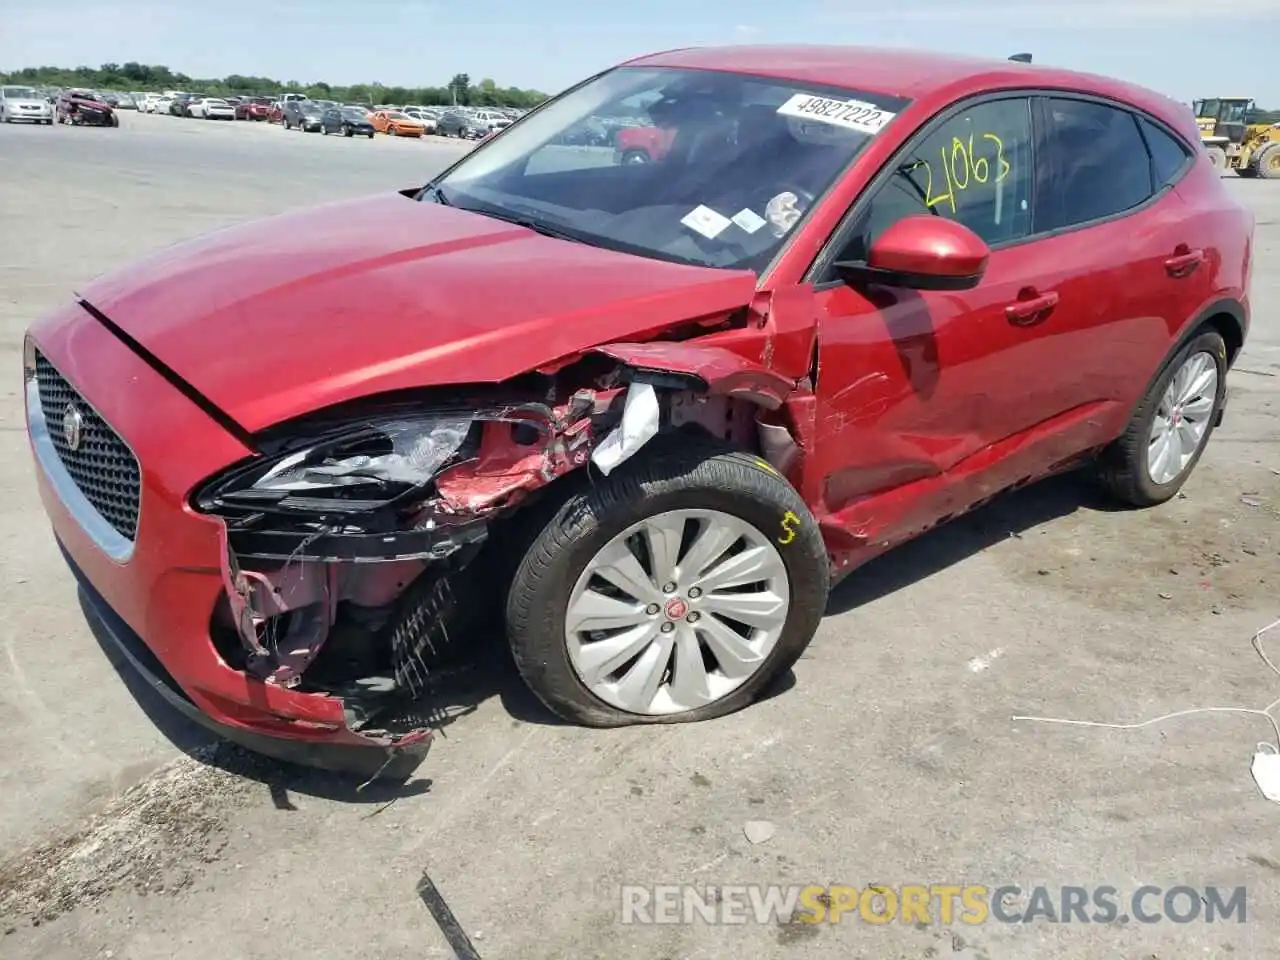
point(890, 756)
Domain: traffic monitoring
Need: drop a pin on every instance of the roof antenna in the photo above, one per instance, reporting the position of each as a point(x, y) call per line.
point(1021, 58)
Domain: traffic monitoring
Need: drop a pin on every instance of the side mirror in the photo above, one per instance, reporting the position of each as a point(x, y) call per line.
point(921, 252)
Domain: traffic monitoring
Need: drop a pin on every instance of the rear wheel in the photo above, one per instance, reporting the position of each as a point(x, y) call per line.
point(635, 156)
point(1168, 431)
point(1217, 157)
point(673, 591)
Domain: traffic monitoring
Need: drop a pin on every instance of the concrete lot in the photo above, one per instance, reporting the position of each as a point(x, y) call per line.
point(890, 759)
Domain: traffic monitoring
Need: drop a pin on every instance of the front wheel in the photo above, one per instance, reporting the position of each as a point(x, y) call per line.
point(1269, 162)
point(673, 591)
point(1168, 431)
point(1217, 158)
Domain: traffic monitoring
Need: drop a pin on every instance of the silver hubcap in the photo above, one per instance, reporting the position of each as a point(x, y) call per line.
point(677, 611)
point(1182, 419)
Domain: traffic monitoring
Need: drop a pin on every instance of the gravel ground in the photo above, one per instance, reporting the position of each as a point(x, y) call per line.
point(890, 758)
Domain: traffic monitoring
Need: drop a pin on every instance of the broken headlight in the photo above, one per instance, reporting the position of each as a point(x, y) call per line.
point(359, 468)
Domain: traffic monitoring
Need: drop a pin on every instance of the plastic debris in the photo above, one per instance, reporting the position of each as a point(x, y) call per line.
point(641, 418)
point(759, 831)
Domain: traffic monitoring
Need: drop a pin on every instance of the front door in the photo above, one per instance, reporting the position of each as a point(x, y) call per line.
point(924, 397)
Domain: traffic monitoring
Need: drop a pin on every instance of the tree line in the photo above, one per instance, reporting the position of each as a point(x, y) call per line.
point(152, 78)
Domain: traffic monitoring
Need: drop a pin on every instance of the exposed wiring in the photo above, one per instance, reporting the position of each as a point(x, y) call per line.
point(1265, 712)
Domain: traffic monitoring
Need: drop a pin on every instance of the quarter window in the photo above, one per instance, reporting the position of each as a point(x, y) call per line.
point(976, 168)
point(1168, 157)
point(1101, 162)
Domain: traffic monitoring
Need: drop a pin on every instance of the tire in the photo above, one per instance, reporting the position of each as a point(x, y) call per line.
point(115, 120)
point(324, 131)
point(369, 135)
point(347, 131)
point(1125, 471)
point(693, 474)
point(1217, 158)
point(1269, 162)
point(640, 156)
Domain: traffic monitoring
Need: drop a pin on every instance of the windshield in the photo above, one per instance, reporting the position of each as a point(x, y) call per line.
point(20, 93)
point(353, 113)
point(396, 115)
point(697, 167)
point(1234, 111)
point(310, 109)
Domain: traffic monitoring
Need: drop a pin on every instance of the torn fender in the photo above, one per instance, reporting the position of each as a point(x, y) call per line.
point(715, 370)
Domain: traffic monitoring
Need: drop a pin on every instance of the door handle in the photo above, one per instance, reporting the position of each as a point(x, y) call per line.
point(1184, 261)
point(1031, 307)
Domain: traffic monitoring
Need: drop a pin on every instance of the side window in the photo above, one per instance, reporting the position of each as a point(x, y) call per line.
point(1102, 167)
point(1168, 156)
point(975, 168)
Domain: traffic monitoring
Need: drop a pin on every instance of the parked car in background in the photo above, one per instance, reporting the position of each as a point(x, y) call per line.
point(397, 124)
point(348, 121)
point(125, 101)
point(79, 107)
point(642, 144)
point(148, 102)
point(301, 115)
point(253, 108)
point(489, 120)
point(180, 106)
point(24, 104)
point(424, 115)
point(211, 108)
point(454, 123)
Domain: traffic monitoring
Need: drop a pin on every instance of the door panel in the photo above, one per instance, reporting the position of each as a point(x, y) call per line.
point(912, 384)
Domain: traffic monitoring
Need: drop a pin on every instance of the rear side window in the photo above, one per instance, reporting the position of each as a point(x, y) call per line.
point(1101, 165)
point(1168, 156)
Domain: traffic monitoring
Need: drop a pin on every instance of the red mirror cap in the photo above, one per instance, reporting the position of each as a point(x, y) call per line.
point(929, 245)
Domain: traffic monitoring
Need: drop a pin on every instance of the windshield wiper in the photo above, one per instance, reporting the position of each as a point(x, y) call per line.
point(529, 223)
point(437, 194)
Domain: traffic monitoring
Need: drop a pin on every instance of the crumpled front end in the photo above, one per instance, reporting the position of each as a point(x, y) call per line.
point(307, 583)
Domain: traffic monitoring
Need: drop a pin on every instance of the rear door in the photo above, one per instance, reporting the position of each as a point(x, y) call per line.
point(1124, 254)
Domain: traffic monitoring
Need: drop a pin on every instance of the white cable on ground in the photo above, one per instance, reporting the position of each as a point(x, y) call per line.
point(1266, 712)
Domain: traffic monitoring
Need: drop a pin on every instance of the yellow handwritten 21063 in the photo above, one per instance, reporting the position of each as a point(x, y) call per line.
point(964, 167)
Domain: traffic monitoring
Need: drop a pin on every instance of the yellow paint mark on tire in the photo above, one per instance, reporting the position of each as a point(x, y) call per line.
point(789, 523)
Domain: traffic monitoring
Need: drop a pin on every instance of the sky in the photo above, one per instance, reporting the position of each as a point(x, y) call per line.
point(1184, 48)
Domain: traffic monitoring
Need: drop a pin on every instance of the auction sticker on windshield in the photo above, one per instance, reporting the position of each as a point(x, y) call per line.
point(706, 221)
point(850, 114)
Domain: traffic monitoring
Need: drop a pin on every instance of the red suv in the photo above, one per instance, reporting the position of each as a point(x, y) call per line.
point(254, 108)
point(858, 294)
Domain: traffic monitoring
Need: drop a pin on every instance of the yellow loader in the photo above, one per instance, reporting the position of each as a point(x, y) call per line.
point(1233, 143)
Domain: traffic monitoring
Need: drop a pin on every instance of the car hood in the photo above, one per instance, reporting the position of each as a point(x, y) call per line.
point(26, 102)
point(280, 317)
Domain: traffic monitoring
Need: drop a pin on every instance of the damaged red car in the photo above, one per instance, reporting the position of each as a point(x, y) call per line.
point(857, 293)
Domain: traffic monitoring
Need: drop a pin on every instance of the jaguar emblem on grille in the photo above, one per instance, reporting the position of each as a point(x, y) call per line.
point(72, 427)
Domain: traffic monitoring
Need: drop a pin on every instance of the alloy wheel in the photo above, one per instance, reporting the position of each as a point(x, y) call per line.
point(677, 611)
point(1181, 421)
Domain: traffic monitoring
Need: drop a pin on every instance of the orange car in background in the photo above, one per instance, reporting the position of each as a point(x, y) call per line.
point(397, 124)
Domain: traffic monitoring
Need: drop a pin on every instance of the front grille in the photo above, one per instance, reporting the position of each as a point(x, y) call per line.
point(103, 466)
